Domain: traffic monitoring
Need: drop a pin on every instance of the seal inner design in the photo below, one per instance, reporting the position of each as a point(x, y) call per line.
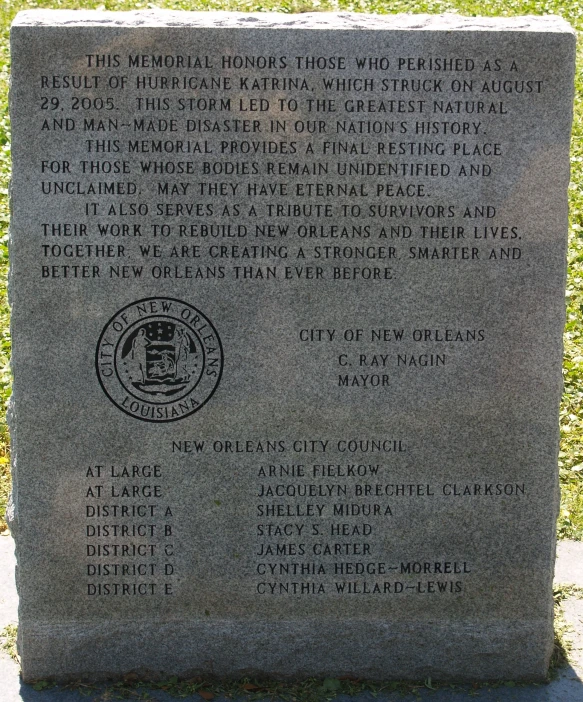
point(159, 360)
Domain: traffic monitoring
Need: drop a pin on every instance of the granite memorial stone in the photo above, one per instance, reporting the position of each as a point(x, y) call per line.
point(288, 300)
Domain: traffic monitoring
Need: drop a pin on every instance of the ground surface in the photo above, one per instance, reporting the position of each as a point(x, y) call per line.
point(567, 687)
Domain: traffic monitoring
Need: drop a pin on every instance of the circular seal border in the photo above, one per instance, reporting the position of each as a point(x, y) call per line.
point(147, 419)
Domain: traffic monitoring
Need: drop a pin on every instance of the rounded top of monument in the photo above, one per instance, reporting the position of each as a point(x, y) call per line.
point(273, 20)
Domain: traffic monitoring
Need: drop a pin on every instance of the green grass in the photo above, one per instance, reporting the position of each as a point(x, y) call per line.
point(563, 631)
point(8, 641)
point(570, 524)
point(310, 690)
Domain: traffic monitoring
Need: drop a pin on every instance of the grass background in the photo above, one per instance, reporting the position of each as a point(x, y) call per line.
point(570, 523)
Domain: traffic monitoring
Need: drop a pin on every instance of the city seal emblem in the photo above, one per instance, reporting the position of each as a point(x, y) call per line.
point(159, 359)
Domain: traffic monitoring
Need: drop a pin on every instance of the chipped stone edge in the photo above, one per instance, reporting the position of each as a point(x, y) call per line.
point(273, 20)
